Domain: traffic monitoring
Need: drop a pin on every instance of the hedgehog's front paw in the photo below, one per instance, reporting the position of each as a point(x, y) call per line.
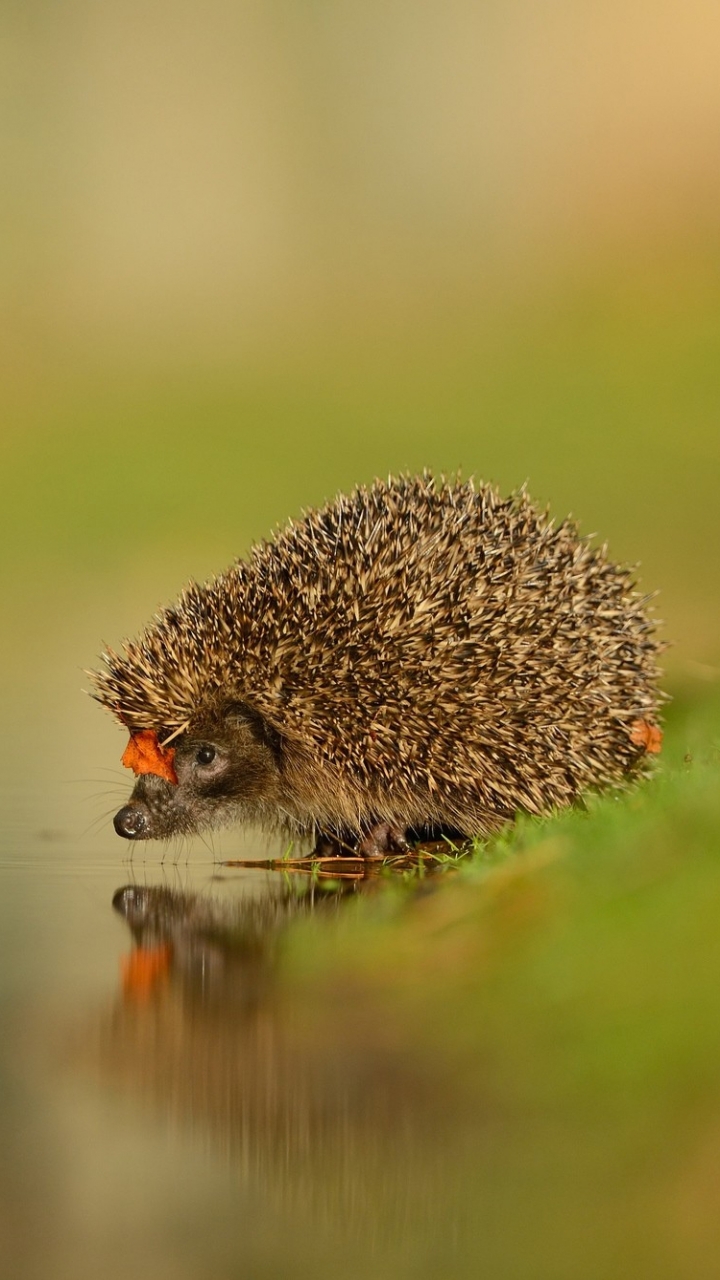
point(381, 839)
point(329, 845)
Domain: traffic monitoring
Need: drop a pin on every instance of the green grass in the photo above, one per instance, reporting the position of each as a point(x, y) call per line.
point(564, 983)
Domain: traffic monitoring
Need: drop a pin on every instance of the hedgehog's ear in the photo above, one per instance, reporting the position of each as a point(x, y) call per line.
point(243, 713)
point(237, 709)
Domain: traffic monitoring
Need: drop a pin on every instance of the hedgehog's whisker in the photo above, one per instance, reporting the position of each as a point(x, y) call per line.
point(209, 848)
point(96, 823)
point(104, 782)
point(99, 795)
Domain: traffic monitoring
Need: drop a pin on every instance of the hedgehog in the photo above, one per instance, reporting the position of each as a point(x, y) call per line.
point(417, 656)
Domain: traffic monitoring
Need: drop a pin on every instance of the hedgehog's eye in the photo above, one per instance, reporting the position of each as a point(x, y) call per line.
point(205, 755)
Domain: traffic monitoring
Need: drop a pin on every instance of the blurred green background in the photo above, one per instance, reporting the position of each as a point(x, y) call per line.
point(253, 254)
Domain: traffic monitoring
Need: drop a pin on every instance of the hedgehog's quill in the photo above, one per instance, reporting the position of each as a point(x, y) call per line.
point(411, 656)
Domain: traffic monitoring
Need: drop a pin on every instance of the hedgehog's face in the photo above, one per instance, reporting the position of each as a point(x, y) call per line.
point(228, 770)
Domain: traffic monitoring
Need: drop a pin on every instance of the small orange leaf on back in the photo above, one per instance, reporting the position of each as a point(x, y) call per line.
point(143, 754)
point(646, 735)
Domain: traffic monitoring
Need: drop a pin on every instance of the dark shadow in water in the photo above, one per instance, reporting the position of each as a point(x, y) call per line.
point(334, 1114)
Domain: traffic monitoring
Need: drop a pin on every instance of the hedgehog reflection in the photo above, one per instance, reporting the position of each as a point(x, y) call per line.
point(317, 1113)
point(210, 954)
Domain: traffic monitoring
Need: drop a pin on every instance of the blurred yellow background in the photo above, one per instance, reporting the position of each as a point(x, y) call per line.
point(256, 253)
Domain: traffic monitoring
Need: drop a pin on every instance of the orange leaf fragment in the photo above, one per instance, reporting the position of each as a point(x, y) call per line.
point(143, 754)
point(144, 970)
point(646, 735)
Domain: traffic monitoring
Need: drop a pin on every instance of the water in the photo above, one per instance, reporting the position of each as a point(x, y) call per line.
point(163, 1115)
point(164, 1111)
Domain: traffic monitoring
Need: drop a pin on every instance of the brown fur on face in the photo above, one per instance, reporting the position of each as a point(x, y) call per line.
point(229, 769)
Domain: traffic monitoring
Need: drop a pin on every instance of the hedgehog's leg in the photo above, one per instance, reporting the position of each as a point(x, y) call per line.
point(382, 838)
point(329, 844)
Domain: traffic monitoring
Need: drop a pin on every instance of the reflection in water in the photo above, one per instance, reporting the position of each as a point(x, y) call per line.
point(333, 1116)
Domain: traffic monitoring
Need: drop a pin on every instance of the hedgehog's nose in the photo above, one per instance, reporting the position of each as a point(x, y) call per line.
point(131, 822)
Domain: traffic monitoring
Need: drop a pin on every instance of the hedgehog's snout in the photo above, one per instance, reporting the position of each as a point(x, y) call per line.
point(132, 821)
point(151, 811)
